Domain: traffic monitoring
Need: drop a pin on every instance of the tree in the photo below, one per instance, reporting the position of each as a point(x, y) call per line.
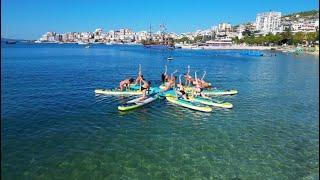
point(286, 36)
point(247, 32)
point(236, 40)
point(183, 39)
point(198, 39)
point(312, 36)
point(298, 38)
point(317, 36)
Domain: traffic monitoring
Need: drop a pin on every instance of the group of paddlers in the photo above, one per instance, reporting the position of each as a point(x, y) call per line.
point(169, 82)
point(198, 84)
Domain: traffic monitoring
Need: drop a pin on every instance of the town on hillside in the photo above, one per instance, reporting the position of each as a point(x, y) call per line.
point(269, 28)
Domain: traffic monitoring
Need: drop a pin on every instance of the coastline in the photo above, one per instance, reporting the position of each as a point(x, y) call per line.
point(315, 53)
point(242, 47)
point(232, 47)
point(237, 47)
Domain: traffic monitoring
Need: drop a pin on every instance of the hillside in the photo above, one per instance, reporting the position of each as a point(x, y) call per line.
point(313, 14)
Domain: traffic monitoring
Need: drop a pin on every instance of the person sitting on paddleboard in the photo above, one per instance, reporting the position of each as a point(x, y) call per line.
point(181, 89)
point(125, 83)
point(171, 83)
point(188, 78)
point(164, 78)
point(198, 87)
point(202, 82)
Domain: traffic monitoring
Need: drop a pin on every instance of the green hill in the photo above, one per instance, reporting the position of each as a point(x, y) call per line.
point(305, 14)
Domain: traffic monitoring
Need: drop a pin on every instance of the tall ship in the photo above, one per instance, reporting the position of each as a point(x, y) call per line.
point(162, 41)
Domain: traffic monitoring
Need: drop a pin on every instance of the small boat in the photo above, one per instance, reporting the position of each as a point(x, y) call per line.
point(11, 42)
point(82, 43)
point(170, 58)
point(87, 47)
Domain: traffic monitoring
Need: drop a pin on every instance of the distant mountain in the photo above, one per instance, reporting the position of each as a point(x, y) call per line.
point(5, 39)
point(17, 40)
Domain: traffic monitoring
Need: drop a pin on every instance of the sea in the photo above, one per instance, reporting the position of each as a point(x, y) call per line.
point(53, 125)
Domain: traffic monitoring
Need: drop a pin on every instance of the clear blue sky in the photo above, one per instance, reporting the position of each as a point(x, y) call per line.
point(29, 19)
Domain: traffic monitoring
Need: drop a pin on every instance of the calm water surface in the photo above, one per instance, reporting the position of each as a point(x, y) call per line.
point(53, 126)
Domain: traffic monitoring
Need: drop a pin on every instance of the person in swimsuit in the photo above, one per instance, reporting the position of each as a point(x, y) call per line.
point(144, 88)
point(125, 83)
point(139, 79)
point(198, 89)
point(181, 90)
point(203, 83)
point(188, 78)
point(171, 83)
point(164, 76)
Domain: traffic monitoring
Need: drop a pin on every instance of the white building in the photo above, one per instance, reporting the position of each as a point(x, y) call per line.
point(64, 37)
point(303, 25)
point(98, 31)
point(241, 28)
point(268, 22)
point(214, 28)
point(224, 27)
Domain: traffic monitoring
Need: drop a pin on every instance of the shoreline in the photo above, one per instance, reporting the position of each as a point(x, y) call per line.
point(287, 49)
point(259, 48)
point(315, 53)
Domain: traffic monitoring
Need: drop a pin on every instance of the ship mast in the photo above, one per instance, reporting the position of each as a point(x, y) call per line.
point(150, 35)
point(6, 32)
point(162, 32)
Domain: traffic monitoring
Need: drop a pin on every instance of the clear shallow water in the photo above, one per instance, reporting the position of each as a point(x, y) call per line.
point(54, 127)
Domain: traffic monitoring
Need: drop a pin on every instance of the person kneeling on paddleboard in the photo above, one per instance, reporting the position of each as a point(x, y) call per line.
point(125, 83)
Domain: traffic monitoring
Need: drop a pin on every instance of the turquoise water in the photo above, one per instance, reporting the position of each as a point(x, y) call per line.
point(55, 127)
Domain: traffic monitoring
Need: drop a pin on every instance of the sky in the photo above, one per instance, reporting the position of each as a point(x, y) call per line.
point(29, 19)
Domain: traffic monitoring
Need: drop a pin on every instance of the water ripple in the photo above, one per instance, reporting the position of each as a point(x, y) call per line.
point(55, 127)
